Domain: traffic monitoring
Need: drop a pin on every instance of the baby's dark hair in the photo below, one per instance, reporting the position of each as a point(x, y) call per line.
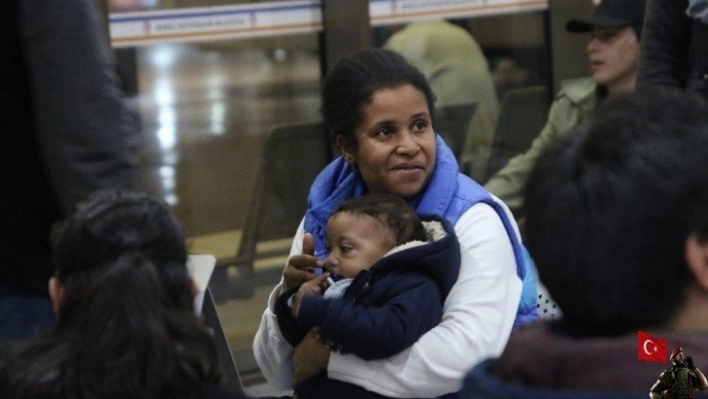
point(393, 212)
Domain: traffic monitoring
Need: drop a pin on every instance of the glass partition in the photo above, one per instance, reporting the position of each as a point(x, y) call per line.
point(210, 82)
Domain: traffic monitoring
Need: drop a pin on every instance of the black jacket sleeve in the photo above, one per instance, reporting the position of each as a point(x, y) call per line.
point(664, 55)
point(84, 126)
point(289, 327)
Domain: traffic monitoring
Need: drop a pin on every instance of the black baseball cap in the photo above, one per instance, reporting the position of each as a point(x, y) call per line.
point(612, 14)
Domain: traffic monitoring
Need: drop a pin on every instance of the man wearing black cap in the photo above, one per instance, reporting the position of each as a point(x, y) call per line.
point(613, 52)
point(616, 28)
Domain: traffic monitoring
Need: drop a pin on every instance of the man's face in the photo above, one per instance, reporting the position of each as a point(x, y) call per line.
point(613, 54)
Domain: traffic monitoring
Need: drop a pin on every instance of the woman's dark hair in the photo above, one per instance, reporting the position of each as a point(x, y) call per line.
point(353, 82)
point(126, 326)
point(393, 212)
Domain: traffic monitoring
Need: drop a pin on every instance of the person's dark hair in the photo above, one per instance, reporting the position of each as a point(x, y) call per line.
point(609, 210)
point(125, 326)
point(353, 82)
point(393, 212)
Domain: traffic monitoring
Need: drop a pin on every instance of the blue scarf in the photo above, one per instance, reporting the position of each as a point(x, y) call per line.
point(340, 181)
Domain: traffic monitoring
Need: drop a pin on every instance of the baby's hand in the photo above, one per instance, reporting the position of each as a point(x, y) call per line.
point(314, 287)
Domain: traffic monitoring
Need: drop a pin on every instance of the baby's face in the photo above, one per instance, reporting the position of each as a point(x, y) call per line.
point(355, 242)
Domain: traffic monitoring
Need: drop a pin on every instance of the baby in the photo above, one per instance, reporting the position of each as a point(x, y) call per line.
point(389, 273)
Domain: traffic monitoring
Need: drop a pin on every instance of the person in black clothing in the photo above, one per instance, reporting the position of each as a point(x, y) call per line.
point(618, 226)
point(64, 133)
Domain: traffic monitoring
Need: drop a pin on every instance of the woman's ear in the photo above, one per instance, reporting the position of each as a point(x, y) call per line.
point(56, 293)
point(697, 260)
point(346, 150)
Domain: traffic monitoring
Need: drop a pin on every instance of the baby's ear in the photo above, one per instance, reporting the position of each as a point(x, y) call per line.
point(697, 260)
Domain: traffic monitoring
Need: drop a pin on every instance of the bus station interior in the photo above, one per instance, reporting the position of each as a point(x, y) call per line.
point(206, 109)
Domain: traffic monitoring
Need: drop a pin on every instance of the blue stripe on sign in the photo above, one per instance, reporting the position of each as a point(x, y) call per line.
point(212, 13)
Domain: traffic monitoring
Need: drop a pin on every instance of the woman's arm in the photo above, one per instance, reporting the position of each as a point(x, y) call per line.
point(478, 316)
point(272, 351)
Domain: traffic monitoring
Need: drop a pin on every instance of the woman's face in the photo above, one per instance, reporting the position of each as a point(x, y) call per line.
point(396, 142)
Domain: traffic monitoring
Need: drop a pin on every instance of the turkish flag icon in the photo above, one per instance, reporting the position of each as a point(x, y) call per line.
point(650, 349)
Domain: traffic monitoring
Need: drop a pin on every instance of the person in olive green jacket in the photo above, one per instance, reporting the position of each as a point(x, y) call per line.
point(574, 103)
point(613, 52)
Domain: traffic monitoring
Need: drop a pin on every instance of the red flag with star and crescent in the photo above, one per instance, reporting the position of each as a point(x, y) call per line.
point(650, 349)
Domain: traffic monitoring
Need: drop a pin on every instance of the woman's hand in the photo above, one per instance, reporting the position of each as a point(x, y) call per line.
point(314, 287)
point(311, 358)
point(301, 268)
